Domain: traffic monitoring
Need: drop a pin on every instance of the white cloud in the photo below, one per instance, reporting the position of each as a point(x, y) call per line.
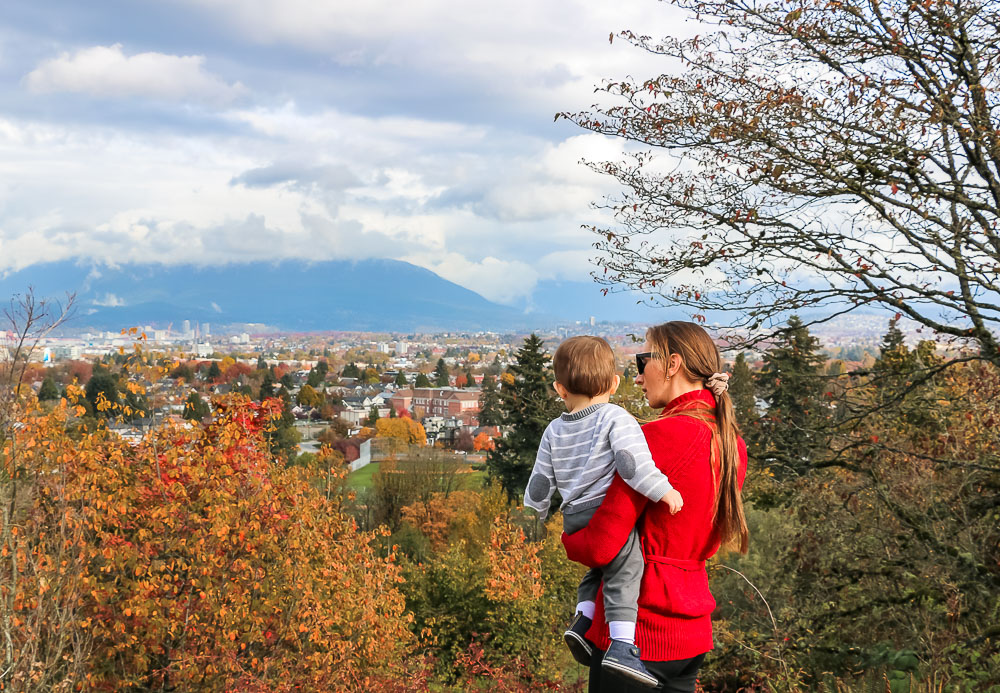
point(106, 72)
point(550, 53)
point(497, 280)
point(110, 301)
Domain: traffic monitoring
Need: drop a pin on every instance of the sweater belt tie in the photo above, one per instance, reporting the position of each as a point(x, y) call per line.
point(682, 563)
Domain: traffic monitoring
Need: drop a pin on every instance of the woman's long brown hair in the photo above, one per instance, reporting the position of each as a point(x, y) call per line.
point(700, 358)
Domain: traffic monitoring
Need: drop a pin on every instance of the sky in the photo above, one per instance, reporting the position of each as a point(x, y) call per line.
point(221, 131)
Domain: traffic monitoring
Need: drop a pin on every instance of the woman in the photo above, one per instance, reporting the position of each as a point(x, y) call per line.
point(696, 443)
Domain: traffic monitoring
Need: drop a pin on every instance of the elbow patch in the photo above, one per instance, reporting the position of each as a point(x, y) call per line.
point(538, 488)
point(625, 464)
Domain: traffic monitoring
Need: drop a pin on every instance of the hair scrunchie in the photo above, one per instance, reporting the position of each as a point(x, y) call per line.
point(718, 383)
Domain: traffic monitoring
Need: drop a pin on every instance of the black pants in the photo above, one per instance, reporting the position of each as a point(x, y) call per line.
point(676, 676)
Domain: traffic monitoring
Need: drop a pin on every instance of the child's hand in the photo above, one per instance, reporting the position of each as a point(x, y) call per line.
point(673, 500)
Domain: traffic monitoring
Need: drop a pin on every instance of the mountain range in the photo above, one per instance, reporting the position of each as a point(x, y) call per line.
point(366, 295)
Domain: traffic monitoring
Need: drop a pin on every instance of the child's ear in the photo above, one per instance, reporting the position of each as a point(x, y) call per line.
point(615, 383)
point(560, 390)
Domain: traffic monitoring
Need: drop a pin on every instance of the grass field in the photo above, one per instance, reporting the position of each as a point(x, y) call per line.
point(362, 479)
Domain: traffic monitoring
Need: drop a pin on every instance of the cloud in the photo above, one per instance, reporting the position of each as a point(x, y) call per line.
point(498, 280)
point(109, 301)
point(215, 307)
point(106, 72)
point(333, 177)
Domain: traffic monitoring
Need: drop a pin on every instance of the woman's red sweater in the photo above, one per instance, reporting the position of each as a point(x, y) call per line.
point(675, 604)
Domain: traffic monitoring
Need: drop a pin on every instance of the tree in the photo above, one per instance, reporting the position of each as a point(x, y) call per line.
point(102, 391)
point(214, 372)
point(373, 416)
point(267, 385)
point(441, 378)
point(48, 390)
point(261, 363)
point(490, 413)
point(791, 387)
point(184, 371)
point(483, 442)
point(470, 378)
point(195, 408)
point(207, 568)
point(318, 374)
point(528, 403)
point(464, 441)
point(402, 428)
point(308, 397)
point(743, 392)
point(350, 371)
point(282, 438)
point(401, 379)
point(422, 381)
point(866, 166)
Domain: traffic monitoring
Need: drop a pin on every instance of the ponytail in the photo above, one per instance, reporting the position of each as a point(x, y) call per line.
point(701, 361)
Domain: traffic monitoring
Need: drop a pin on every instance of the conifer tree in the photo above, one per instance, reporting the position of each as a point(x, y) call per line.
point(401, 379)
point(267, 385)
point(489, 403)
point(48, 390)
point(213, 371)
point(422, 380)
point(791, 386)
point(195, 408)
point(743, 393)
point(528, 403)
point(441, 374)
point(470, 378)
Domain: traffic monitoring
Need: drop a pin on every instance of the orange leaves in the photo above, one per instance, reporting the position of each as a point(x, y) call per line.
point(196, 559)
point(514, 565)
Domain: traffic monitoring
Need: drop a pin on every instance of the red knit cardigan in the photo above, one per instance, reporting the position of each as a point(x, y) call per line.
point(675, 604)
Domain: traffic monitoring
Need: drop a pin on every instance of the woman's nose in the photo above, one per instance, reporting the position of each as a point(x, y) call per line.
point(640, 379)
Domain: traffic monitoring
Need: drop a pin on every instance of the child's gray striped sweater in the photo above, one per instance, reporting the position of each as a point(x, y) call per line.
point(580, 453)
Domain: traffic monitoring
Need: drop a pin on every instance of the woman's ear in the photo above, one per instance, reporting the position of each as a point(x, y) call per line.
point(674, 363)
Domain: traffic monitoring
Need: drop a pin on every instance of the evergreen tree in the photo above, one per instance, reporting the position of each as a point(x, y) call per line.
point(287, 382)
point(470, 378)
point(372, 417)
point(283, 439)
point(214, 372)
point(195, 409)
point(893, 338)
point(743, 393)
point(441, 374)
point(317, 376)
point(267, 385)
point(528, 403)
point(791, 385)
point(350, 371)
point(401, 379)
point(48, 390)
point(489, 403)
point(102, 384)
point(422, 381)
point(261, 363)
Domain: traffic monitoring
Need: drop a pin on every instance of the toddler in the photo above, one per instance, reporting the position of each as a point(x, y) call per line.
point(578, 456)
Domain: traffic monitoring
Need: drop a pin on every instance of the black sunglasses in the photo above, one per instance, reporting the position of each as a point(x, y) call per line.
point(641, 360)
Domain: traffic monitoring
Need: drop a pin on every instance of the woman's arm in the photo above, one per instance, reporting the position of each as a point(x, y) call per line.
point(599, 542)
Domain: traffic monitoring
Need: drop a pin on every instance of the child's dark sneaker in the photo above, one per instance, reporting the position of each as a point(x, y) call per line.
point(622, 658)
point(576, 639)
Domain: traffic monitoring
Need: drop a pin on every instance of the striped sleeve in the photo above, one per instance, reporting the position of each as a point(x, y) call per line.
point(633, 462)
point(542, 482)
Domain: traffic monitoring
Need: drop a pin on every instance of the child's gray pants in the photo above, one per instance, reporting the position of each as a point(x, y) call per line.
point(621, 576)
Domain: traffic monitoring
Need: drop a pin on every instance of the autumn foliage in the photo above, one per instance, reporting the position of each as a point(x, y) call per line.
point(190, 561)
